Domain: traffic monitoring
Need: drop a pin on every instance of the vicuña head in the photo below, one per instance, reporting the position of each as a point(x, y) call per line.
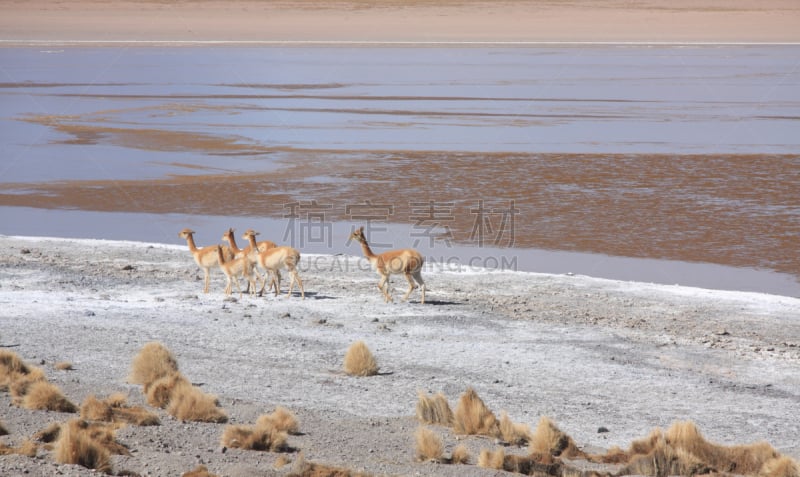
point(405, 261)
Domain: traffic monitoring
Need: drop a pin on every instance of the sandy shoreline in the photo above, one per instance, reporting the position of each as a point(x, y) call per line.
point(585, 352)
point(772, 21)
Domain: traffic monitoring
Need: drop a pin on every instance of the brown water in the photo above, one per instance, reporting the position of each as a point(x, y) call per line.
point(694, 158)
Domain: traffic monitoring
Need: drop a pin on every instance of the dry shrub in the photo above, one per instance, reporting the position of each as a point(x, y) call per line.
point(199, 471)
point(472, 417)
point(115, 409)
point(21, 383)
point(780, 467)
point(11, 368)
point(429, 445)
point(664, 460)
point(44, 396)
point(460, 455)
point(301, 468)
point(746, 459)
point(76, 446)
point(281, 462)
point(492, 460)
point(513, 433)
point(259, 438)
point(159, 392)
point(27, 449)
point(358, 361)
point(63, 366)
point(535, 464)
point(434, 409)
point(189, 403)
point(281, 419)
point(549, 439)
point(48, 434)
point(154, 361)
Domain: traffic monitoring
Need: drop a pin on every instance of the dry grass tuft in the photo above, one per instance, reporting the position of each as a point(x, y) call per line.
point(159, 392)
point(472, 417)
point(199, 471)
point(513, 433)
point(434, 409)
point(44, 396)
point(535, 464)
point(27, 449)
point(77, 446)
point(3, 430)
point(549, 439)
point(301, 468)
point(11, 368)
point(780, 467)
point(358, 361)
point(154, 361)
point(460, 455)
point(429, 445)
point(281, 419)
point(48, 434)
point(259, 438)
point(492, 460)
point(115, 409)
point(746, 459)
point(189, 403)
point(281, 462)
point(63, 366)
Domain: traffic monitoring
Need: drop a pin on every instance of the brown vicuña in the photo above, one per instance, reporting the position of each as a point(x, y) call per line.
point(272, 260)
point(407, 262)
point(249, 251)
point(205, 257)
point(234, 269)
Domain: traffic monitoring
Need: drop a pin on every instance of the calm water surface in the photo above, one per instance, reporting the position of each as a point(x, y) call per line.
point(635, 160)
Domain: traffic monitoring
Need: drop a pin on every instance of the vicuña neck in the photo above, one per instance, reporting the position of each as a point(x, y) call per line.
point(367, 251)
point(190, 242)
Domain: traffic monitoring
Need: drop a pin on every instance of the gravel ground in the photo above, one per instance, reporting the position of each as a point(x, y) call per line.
point(586, 352)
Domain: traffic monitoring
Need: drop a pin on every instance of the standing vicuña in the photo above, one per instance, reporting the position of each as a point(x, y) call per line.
point(235, 268)
point(273, 259)
point(250, 252)
point(407, 261)
point(205, 257)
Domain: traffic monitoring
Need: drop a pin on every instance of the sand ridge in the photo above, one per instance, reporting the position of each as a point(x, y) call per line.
point(417, 21)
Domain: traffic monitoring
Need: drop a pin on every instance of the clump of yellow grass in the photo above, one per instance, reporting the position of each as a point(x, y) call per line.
point(301, 468)
point(359, 361)
point(549, 439)
point(156, 369)
point(429, 446)
point(199, 471)
point(434, 409)
point(270, 432)
point(29, 387)
point(281, 419)
point(45, 396)
point(154, 361)
point(472, 417)
point(512, 432)
point(115, 409)
point(28, 449)
point(87, 444)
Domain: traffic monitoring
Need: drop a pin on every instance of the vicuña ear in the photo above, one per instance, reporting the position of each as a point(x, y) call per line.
point(361, 229)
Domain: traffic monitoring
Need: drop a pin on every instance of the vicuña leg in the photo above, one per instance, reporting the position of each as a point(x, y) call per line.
point(411, 286)
point(418, 277)
point(207, 280)
point(296, 278)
